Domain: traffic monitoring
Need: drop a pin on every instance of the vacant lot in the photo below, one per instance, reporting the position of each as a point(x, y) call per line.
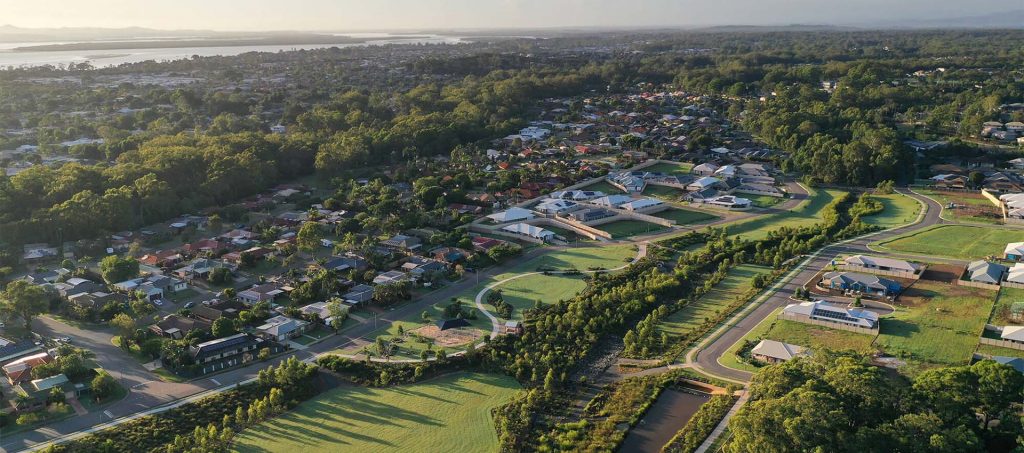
point(806, 214)
point(956, 241)
point(899, 210)
point(763, 201)
point(681, 168)
point(686, 216)
point(452, 413)
point(627, 228)
point(737, 282)
point(664, 192)
point(936, 323)
point(970, 206)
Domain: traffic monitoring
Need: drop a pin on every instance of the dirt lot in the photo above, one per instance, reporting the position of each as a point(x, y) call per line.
point(448, 338)
point(945, 273)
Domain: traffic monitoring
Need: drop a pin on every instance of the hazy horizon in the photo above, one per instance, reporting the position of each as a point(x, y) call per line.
point(394, 15)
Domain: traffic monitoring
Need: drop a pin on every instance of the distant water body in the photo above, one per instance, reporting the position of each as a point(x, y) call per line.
point(114, 57)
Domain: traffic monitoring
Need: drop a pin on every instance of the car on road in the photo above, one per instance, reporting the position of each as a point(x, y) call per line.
point(190, 304)
point(63, 339)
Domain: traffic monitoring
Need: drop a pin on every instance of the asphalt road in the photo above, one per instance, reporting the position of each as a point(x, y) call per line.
point(708, 355)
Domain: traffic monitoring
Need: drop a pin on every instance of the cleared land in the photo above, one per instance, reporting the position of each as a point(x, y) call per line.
point(899, 210)
point(686, 216)
point(452, 413)
point(956, 241)
point(970, 206)
point(627, 228)
point(737, 282)
point(936, 323)
point(806, 214)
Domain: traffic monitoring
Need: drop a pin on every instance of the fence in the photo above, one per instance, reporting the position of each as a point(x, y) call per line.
point(831, 325)
point(994, 287)
point(871, 270)
point(1002, 343)
point(576, 227)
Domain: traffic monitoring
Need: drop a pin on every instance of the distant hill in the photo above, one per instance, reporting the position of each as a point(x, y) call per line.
point(10, 33)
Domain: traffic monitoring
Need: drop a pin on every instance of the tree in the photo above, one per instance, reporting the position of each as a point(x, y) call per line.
point(337, 311)
point(999, 387)
point(125, 326)
point(220, 276)
point(24, 300)
point(103, 385)
point(117, 269)
point(976, 178)
point(223, 327)
point(309, 236)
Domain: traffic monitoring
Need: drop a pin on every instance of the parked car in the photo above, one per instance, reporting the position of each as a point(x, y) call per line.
point(63, 339)
point(158, 303)
point(190, 304)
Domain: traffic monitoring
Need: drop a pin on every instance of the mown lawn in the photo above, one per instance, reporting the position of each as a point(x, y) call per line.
point(523, 293)
point(685, 216)
point(813, 336)
point(663, 192)
point(737, 282)
point(763, 201)
point(956, 241)
point(627, 228)
point(941, 326)
point(899, 210)
point(452, 413)
point(806, 214)
point(680, 168)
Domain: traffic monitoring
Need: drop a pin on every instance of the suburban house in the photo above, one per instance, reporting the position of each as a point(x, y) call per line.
point(824, 312)
point(450, 255)
point(861, 283)
point(1014, 334)
point(1004, 182)
point(44, 277)
point(35, 394)
point(358, 294)
point(771, 351)
point(483, 244)
point(282, 328)
point(320, 310)
point(612, 201)
point(163, 258)
point(20, 370)
point(419, 267)
point(153, 287)
point(705, 169)
point(644, 205)
point(177, 326)
point(729, 202)
point(706, 182)
point(557, 206)
point(512, 328)
point(512, 215)
point(590, 215)
point(386, 278)
point(875, 264)
point(530, 231)
point(216, 355)
point(73, 286)
point(345, 263)
point(982, 271)
point(402, 242)
point(1016, 274)
point(215, 309)
point(258, 293)
point(1016, 362)
point(1014, 251)
point(949, 181)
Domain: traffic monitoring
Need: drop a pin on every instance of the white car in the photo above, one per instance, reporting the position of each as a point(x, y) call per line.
point(158, 303)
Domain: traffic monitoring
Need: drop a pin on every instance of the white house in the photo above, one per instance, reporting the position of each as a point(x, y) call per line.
point(823, 311)
point(772, 351)
point(706, 182)
point(557, 206)
point(644, 205)
point(705, 169)
point(730, 202)
point(612, 201)
point(530, 230)
point(512, 215)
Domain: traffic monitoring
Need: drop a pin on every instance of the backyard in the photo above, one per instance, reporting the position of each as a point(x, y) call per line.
point(626, 228)
point(936, 323)
point(955, 241)
point(686, 216)
point(1001, 314)
point(671, 168)
point(451, 413)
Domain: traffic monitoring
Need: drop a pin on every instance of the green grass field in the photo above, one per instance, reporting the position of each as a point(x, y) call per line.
point(686, 216)
point(663, 192)
point(806, 214)
point(998, 351)
point(626, 228)
point(940, 326)
point(1001, 315)
point(604, 186)
point(763, 201)
point(737, 282)
point(899, 210)
point(523, 293)
point(681, 168)
point(956, 241)
point(452, 413)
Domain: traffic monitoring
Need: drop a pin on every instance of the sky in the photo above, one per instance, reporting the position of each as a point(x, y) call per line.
point(354, 15)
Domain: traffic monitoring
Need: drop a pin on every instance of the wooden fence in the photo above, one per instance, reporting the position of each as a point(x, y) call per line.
point(868, 270)
point(961, 282)
point(1002, 343)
